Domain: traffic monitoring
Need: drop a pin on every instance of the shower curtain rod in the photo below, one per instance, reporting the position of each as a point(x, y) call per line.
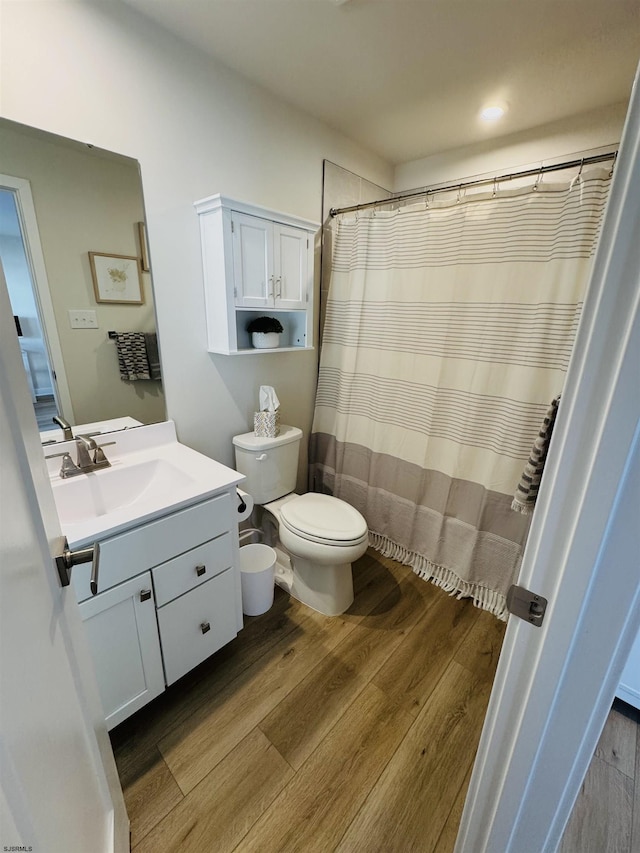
point(525, 173)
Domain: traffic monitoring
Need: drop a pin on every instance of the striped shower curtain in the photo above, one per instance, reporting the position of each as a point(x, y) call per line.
point(448, 332)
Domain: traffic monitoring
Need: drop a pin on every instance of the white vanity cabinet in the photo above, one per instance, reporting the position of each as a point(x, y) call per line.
point(168, 597)
point(255, 261)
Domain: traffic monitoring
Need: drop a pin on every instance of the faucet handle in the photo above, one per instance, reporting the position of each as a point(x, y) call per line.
point(99, 459)
point(69, 467)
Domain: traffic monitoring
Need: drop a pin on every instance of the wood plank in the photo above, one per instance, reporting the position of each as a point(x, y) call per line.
point(447, 841)
point(414, 669)
point(193, 748)
point(602, 816)
point(480, 649)
point(316, 807)
point(408, 807)
point(298, 723)
point(617, 744)
point(149, 795)
point(219, 812)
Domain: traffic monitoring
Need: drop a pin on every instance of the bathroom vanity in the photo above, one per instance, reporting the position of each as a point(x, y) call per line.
point(168, 586)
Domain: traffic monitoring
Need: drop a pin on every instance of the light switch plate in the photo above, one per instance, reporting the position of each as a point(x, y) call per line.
point(83, 319)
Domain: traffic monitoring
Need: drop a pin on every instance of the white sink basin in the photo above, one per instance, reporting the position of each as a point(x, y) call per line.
point(102, 492)
point(151, 475)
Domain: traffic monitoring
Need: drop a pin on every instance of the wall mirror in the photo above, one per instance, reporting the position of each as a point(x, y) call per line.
point(71, 213)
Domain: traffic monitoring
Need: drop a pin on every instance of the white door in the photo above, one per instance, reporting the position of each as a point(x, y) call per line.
point(555, 684)
point(60, 790)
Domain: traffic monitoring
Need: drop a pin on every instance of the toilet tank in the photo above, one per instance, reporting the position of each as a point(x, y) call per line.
point(269, 464)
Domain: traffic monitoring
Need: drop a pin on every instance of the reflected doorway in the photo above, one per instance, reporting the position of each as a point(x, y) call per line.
point(24, 302)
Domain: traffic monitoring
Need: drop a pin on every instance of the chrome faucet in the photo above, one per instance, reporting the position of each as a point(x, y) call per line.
point(65, 426)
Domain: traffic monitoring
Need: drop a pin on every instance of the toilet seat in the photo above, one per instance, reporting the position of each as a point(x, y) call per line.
point(324, 519)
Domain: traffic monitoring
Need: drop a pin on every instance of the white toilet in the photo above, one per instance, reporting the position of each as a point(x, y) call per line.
point(319, 535)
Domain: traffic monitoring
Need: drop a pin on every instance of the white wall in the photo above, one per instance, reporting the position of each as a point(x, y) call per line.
point(548, 142)
point(102, 74)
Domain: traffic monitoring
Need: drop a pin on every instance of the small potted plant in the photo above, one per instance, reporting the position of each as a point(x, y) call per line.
point(265, 332)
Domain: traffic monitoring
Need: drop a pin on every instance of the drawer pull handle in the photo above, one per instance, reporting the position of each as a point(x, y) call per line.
point(204, 627)
point(200, 570)
point(145, 594)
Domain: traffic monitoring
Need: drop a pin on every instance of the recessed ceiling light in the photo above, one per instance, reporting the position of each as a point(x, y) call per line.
point(492, 113)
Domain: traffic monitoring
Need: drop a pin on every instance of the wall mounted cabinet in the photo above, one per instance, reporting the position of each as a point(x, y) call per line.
point(255, 261)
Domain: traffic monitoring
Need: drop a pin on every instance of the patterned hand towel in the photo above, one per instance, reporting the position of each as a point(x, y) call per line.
point(527, 491)
point(132, 356)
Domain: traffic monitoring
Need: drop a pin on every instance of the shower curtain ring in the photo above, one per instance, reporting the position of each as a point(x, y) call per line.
point(613, 164)
point(539, 178)
point(459, 199)
point(426, 201)
point(495, 187)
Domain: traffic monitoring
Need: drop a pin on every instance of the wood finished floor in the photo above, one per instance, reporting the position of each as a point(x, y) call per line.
point(351, 733)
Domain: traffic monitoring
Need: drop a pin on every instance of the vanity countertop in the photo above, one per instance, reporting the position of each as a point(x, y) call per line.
point(151, 475)
point(55, 434)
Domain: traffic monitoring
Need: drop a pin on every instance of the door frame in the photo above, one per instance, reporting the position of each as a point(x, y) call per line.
point(21, 188)
point(555, 685)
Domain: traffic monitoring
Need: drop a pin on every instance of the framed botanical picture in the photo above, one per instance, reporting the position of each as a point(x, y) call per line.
point(116, 278)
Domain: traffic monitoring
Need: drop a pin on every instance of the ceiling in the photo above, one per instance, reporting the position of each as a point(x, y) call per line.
point(407, 78)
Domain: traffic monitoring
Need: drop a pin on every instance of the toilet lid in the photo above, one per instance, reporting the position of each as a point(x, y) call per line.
point(322, 518)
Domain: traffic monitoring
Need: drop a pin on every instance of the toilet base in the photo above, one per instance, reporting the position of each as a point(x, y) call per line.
point(325, 589)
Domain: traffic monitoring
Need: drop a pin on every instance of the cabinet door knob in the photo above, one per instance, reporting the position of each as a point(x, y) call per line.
point(145, 594)
point(204, 627)
point(200, 570)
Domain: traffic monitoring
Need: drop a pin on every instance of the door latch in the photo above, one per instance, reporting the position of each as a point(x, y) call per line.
point(526, 605)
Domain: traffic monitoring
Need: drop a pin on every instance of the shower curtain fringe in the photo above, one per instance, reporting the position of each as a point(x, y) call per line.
point(486, 599)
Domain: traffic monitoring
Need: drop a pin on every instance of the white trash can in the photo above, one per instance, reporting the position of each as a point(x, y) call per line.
point(257, 571)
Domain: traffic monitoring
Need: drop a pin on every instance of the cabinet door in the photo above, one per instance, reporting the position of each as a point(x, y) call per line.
point(290, 266)
point(123, 636)
point(252, 261)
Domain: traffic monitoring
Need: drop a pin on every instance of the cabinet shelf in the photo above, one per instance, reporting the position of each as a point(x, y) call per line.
point(255, 351)
point(255, 262)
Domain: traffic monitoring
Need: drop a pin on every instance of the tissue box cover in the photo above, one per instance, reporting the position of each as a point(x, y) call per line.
point(266, 424)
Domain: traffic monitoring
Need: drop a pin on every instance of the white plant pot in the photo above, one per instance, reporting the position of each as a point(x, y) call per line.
point(265, 340)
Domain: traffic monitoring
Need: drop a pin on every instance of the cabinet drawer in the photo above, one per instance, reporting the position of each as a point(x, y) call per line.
point(192, 569)
point(184, 644)
point(137, 550)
